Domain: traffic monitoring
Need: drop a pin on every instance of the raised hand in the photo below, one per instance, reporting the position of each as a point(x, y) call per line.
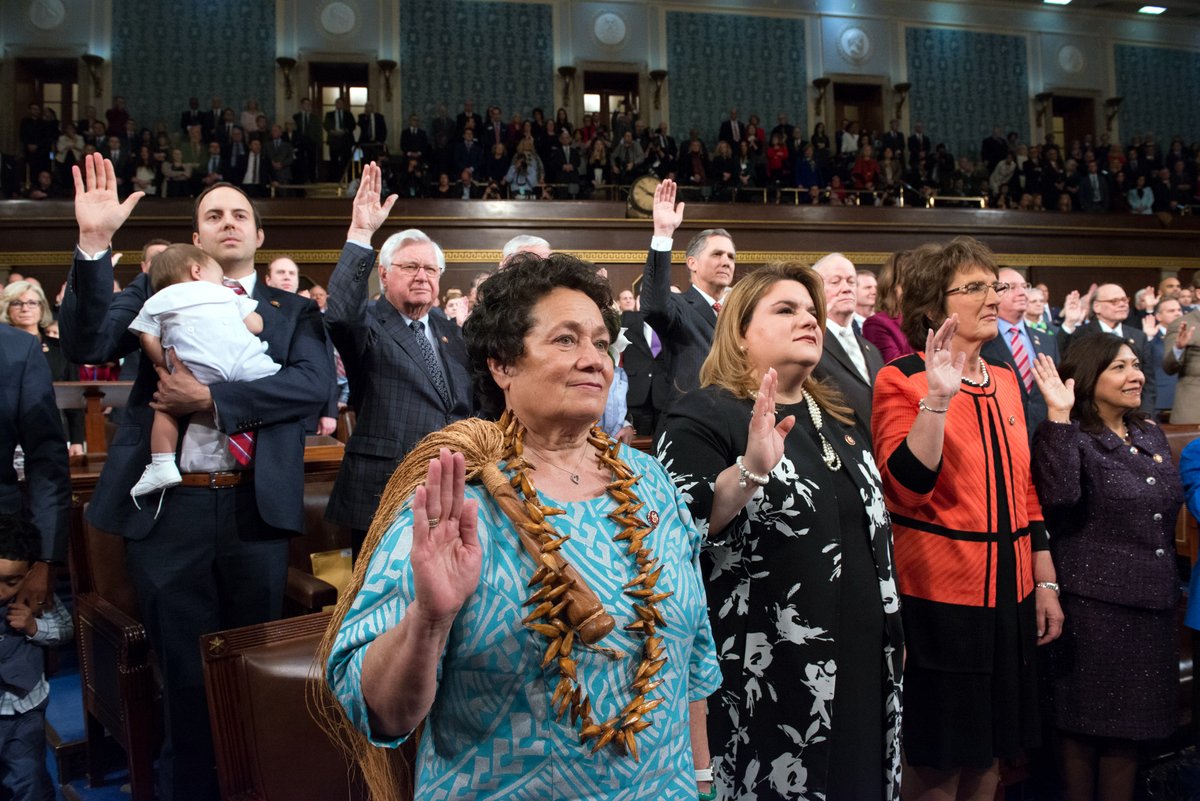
point(1149, 299)
point(98, 210)
point(1073, 309)
point(446, 557)
point(943, 369)
point(764, 443)
point(1184, 337)
point(368, 213)
point(1059, 396)
point(667, 216)
point(1150, 326)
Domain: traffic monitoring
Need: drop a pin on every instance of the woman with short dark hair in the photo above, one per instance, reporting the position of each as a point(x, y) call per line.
point(972, 558)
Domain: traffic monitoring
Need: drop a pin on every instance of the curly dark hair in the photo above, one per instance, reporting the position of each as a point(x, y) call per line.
point(19, 540)
point(503, 313)
point(1087, 359)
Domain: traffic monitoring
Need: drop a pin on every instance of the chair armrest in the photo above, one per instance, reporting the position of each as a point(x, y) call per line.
point(308, 592)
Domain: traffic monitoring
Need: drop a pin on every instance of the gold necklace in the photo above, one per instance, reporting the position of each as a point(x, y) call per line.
point(574, 475)
point(549, 616)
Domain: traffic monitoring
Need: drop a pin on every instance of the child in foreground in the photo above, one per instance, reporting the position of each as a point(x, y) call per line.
point(210, 327)
point(24, 692)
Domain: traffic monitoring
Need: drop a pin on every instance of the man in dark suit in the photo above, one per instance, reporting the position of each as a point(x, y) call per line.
point(645, 362)
point(209, 120)
point(308, 153)
point(191, 116)
point(122, 163)
point(732, 130)
point(666, 142)
point(1110, 308)
point(468, 155)
point(236, 153)
point(1093, 189)
point(994, 149)
point(29, 418)
point(281, 154)
point(494, 131)
point(407, 364)
point(414, 141)
point(1166, 311)
point(372, 132)
point(562, 165)
point(894, 138)
point(919, 145)
point(339, 126)
point(468, 115)
point(1018, 346)
point(214, 168)
point(214, 555)
point(684, 321)
point(847, 360)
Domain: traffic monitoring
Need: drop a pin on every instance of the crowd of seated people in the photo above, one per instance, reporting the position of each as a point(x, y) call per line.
point(472, 156)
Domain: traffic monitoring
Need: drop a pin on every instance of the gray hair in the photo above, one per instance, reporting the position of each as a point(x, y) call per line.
point(408, 237)
point(520, 242)
point(700, 240)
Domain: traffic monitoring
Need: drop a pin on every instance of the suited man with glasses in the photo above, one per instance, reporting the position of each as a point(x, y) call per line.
point(406, 362)
point(1110, 308)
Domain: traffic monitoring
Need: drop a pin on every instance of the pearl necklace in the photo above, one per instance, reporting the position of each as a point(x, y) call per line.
point(982, 369)
point(831, 459)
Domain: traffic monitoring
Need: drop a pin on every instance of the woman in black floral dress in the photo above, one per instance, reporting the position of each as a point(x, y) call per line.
point(797, 559)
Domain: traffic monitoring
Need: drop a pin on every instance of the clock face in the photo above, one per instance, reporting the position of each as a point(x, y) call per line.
point(47, 14)
point(339, 18)
point(609, 28)
point(1071, 59)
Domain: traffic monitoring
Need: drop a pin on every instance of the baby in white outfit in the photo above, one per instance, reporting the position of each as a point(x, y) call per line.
point(211, 329)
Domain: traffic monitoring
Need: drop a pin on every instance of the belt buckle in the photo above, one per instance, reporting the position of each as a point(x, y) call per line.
point(212, 481)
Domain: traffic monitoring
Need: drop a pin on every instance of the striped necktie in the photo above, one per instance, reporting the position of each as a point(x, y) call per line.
point(241, 445)
point(1021, 357)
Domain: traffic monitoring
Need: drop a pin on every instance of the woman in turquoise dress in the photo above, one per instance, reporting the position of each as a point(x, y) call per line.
point(449, 627)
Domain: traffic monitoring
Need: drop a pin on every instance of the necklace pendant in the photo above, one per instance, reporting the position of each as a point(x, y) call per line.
point(575, 478)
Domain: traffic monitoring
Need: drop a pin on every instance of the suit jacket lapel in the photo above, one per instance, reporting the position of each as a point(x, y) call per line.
point(834, 348)
point(700, 305)
point(395, 327)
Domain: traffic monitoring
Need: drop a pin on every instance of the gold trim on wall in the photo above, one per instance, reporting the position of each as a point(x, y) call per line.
point(55, 258)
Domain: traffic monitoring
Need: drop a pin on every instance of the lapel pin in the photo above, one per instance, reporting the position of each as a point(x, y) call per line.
point(445, 341)
point(1037, 342)
point(275, 303)
point(653, 517)
point(1158, 458)
point(1012, 421)
point(849, 440)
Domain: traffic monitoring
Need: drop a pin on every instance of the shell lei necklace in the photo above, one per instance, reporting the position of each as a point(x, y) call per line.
point(549, 618)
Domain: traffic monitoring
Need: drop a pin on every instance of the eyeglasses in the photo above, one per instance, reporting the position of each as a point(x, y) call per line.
point(978, 289)
point(1118, 301)
point(409, 270)
point(24, 304)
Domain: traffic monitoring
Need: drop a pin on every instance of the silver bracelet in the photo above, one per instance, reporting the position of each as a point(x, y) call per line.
point(1048, 585)
point(704, 774)
point(927, 408)
point(745, 475)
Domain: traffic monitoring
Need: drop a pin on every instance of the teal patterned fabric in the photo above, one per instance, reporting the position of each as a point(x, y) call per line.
point(164, 53)
point(494, 53)
point(1161, 88)
point(718, 61)
point(490, 734)
point(963, 83)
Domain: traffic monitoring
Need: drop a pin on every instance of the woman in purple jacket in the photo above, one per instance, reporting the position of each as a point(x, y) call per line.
point(882, 329)
point(1111, 496)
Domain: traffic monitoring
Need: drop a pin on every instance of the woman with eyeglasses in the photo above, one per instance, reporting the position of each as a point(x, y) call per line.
point(972, 561)
point(23, 305)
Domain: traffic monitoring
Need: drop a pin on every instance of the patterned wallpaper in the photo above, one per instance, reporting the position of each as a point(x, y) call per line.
point(496, 53)
point(963, 83)
point(1161, 88)
point(163, 53)
point(717, 61)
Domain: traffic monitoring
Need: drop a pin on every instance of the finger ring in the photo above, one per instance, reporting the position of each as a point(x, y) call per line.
point(433, 521)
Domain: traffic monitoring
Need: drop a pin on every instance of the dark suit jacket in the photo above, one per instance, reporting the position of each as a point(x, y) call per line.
point(558, 160)
point(417, 142)
point(29, 418)
point(313, 132)
point(189, 118)
point(685, 323)
point(726, 133)
point(1035, 405)
point(836, 366)
point(390, 383)
point(1134, 337)
point(460, 123)
point(918, 143)
point(647, 373)
point(95, 329)
point(364, 128)
point(894, 140)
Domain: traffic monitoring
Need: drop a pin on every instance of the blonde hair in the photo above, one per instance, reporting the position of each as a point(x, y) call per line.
point(727, 365)
point(18, 288)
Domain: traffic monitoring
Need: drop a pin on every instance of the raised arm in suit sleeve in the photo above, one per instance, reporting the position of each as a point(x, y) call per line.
point(39, 432)
point(93, 322)
point(346, 310)
point(664, 316)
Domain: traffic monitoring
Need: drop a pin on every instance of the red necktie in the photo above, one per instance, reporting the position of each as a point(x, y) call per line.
point(1021, 357)
point(717, 307)
point(241, 445)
